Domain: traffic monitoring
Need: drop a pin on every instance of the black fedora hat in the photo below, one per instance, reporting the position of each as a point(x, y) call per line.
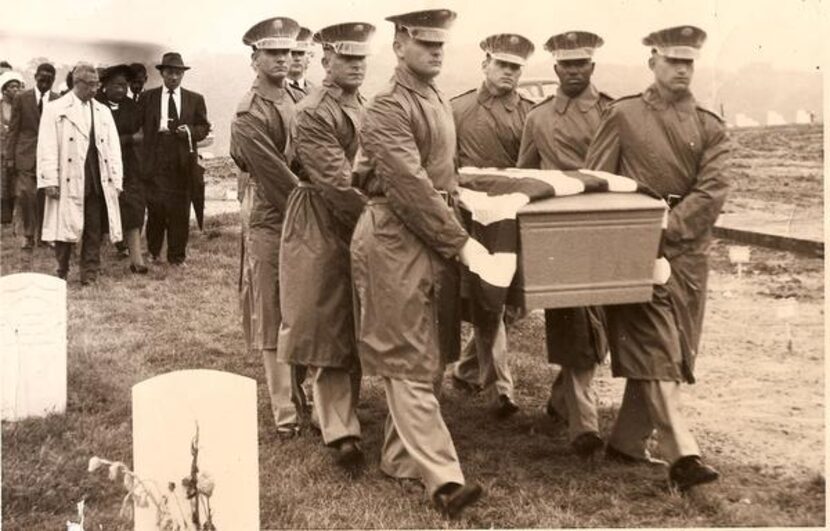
point(172, 60)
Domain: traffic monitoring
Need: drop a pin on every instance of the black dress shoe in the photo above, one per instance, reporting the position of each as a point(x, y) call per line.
point(689, 471)
point(349, 455)
point(587, 444)
point(138, 270)
point(28, 244)
point(505, 406)
point(452, 498)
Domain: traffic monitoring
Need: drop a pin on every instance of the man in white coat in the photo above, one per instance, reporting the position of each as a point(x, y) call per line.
point(79, 168)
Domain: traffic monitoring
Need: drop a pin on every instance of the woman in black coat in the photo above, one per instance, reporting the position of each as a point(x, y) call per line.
point(115, 82)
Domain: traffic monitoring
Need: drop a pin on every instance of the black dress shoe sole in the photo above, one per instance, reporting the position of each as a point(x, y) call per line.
point(466, 495)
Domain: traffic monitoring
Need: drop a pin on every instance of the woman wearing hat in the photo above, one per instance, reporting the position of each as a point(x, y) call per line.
point(10, 84)
point(115, 82)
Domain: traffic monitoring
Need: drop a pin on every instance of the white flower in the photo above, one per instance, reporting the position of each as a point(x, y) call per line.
point(113, 472)
point(94, 463)
point(205, 484)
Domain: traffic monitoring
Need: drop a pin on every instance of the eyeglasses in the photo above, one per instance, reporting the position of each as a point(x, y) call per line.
point(95, 83)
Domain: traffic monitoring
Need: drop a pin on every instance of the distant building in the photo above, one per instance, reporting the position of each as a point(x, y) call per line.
point(742, 120)
point(803, 117)
point(774, 118)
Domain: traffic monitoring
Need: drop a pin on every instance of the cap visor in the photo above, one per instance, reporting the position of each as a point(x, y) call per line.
point(509, 58)
point(679, 52)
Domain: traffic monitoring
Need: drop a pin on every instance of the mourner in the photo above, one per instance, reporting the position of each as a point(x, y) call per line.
point(298, 85)
point(138, 78)
point(317, 327)
point(10, 84)
point(663, 139)
point(79, 168)
point(488, 124)
point(22, 150)
point(174, 119)
point(557, 135)
point(403, 259)
point(261, 145)
point(125, 112)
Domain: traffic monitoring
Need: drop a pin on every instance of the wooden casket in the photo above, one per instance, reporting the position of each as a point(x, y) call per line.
point(587, 249)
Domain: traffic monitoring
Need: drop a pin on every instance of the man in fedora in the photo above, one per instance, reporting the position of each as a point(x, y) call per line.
point(174, 120)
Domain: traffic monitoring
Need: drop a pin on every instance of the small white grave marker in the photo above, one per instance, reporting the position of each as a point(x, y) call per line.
point(215, 414)
point(739, 254)
point(32, 345)
point(787, 311)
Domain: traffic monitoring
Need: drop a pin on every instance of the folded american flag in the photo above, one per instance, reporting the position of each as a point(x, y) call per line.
point(491, 199)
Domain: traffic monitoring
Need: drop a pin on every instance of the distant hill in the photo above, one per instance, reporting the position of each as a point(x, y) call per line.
point(753, 90)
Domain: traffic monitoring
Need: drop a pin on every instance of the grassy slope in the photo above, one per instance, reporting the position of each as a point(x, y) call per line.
point(128, 328)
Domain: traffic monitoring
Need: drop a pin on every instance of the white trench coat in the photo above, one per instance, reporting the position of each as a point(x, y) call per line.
point(62, 144)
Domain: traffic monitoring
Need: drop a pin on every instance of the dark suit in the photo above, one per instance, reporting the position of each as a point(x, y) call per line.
point(21, 150)
point(168, 163)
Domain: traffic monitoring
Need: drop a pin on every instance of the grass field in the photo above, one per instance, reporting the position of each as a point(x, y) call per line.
point(758, 412)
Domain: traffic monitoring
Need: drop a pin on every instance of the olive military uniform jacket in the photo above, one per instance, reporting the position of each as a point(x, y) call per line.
point(673, 148)
point(407, 239)
point(315, 280)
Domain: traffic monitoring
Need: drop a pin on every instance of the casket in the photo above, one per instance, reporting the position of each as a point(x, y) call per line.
point(587, 249)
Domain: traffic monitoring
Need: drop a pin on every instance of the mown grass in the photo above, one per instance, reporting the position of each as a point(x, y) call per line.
point(128, 328)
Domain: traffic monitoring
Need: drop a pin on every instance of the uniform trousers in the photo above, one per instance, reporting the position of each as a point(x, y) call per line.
point(95, 220)
point(484, 361)
point(573, 398)
point(336, 393)
point(262, 296)
point(29, 201)
point(648, 405)
point(417, 443)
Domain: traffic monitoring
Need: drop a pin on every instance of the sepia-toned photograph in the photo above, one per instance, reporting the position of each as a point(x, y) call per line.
point(433, 264)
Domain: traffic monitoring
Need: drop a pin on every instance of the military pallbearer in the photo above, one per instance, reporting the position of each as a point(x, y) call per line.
point(556, 136)
point(316, 296)
point(489, 123)
point(663, 139)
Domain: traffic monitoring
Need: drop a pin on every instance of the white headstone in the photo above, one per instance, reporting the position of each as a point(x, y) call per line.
point(775, 118)
point(802, 117)
point(742, 120)
point(739, 254)
point(167, 411)
point(32, 345)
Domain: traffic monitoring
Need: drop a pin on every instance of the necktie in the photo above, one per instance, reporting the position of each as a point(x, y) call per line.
point(296, 85)
point(40, 104)
point(172, 112)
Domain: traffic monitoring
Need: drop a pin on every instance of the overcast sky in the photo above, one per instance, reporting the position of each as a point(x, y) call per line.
point(785, 33)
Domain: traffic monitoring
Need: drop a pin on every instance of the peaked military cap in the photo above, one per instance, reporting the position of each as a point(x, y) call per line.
point(304, 39)
point(431, 25)
point(573, 45)
point(278, 33)
point(508, 47)
point(679, 42)
point(350, 38)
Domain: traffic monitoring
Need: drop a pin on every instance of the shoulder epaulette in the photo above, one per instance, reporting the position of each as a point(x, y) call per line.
point(544, 101)
point(245, 103)
point(606, 96)
point(463, 94)
point(626, 98)
point(525, 98)
point(711, 112)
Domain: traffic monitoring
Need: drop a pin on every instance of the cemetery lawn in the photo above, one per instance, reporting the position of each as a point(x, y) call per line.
point(757, 411)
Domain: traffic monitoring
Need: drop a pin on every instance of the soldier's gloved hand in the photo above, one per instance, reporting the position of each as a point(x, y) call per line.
point(471, 251)
point(662, 271)
point(52, 191)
